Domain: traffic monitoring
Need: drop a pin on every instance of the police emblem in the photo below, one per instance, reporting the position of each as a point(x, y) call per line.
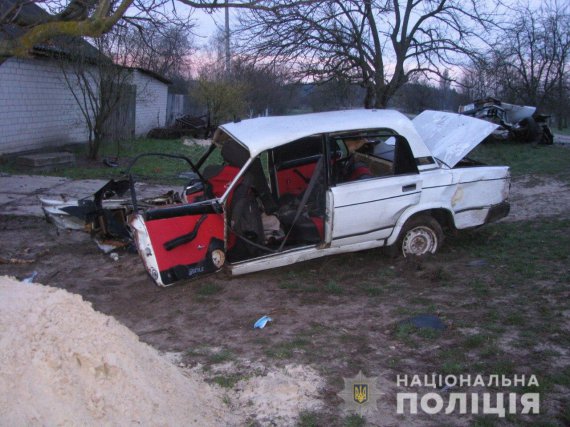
point(360, 393)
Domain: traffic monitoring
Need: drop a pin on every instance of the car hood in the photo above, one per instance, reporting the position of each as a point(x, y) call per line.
point(449, 136)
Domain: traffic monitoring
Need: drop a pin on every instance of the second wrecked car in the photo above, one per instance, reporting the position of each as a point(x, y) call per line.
point(294, 188)
point(519, 123)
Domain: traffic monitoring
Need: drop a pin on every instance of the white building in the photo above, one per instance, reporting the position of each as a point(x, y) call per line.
point(38, 110)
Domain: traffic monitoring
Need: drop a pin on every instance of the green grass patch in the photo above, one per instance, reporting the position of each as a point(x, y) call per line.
point(308, 419)
point(517, 252)
point(227, 381)
point(332, 287)
point(354, 420)
point(285, 350)
point(408, 333)
point(476, 341)
point(372, 290)
point(148, 169)
point(565, 131)
point(209, 288)
point(525, 158)
point(220, 357)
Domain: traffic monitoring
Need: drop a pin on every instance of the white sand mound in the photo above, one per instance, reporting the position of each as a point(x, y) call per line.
point(62, 363)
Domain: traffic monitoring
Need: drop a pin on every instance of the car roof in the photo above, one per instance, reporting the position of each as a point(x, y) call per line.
point(265, 133)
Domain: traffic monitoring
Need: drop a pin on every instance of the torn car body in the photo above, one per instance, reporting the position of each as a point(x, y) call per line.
point(516, 122)
point(293, 188)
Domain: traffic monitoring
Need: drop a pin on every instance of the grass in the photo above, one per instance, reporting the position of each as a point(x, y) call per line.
point(516, 251)
point(227, 381)
point(354, 420)
point(221, 357)
point(285, 350)
point(209, 288)
point(525, 158)
point(148, 169)
point(565, 131)
point(308, 419)
point(332, 287)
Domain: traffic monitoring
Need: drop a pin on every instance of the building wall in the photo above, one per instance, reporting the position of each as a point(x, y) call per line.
point(152, 98)
point(37, 109)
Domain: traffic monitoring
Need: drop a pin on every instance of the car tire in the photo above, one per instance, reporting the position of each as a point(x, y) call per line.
point(546, 137)
point(529, 130)
point(420, 236)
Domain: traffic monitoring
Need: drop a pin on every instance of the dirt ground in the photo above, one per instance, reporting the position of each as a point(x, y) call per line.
point(337, 315)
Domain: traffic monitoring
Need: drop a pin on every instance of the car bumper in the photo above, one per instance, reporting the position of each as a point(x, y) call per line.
point(496, 212)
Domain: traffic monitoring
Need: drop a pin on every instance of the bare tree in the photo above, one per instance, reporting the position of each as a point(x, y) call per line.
point(528, 61)
point(222, 97)
point(29, 27)
point(534, 52)
point(97, 84)
point(164, 49)
point(265, 89)
point(377, 44)
point(88, 18)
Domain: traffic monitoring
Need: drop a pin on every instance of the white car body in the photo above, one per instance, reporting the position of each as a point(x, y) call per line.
point(426, 176)
point(371, 213)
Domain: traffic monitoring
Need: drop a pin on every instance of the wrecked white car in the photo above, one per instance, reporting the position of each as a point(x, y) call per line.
point(516, 122)
point(294, 188)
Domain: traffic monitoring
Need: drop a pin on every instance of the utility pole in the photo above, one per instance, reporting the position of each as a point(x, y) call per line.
point(227, 37)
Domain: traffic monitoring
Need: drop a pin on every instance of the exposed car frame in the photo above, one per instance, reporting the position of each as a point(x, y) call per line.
point(517, 122)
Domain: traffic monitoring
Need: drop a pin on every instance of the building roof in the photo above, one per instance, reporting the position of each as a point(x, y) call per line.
point(152, 74)
point(265, 133)
point(31, 14)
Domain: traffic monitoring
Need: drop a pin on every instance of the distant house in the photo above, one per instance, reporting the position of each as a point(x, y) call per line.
point(38, 110)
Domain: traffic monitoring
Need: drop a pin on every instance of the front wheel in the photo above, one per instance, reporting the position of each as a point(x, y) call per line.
point(420, 236)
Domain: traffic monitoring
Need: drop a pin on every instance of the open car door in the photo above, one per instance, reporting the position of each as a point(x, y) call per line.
point(183, 241)
point(180, 242)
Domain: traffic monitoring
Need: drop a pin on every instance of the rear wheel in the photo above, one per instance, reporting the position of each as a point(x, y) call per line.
point(420, 236)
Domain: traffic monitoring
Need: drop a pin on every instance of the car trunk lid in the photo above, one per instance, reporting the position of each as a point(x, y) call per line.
point(449, 136)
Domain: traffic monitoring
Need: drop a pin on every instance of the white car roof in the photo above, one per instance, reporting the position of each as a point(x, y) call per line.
point(265, 133)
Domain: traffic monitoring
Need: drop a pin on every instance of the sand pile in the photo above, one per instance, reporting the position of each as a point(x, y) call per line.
point(62, 363)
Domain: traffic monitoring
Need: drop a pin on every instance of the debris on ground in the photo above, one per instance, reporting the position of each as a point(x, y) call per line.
point(30, 278)
point(187, 125)
point(261, 322)
point(428, 321)
point(477, 263)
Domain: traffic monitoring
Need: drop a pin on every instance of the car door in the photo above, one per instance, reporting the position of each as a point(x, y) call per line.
point(368, 209)
point(180, 242)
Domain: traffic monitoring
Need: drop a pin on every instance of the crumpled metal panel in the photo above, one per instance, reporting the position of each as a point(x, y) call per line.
point(449, 136)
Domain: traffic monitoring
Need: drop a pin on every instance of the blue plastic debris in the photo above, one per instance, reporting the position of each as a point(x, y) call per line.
point(426, 321)
point(30, 278)
point(261, 322)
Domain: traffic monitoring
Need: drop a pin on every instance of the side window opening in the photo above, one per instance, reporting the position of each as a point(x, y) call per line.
point(367, 154)
point(404, 161)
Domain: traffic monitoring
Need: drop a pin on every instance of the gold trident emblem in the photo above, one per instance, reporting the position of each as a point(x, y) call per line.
point(360, 393)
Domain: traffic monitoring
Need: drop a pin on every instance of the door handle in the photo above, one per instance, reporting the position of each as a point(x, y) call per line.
point(410, 187)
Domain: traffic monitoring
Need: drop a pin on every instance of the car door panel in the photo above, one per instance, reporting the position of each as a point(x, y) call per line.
point(180, 247)
point(369, 209)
